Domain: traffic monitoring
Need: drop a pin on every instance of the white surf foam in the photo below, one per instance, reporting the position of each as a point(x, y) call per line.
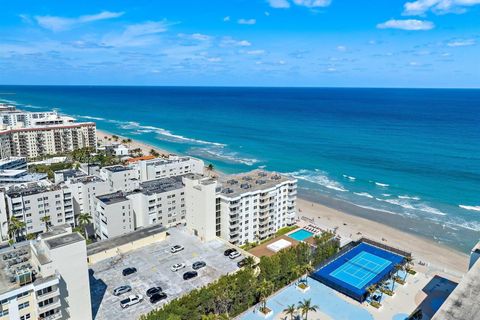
point(349, 177)
point(364, 194)
point(470, 208)
point(409, 197)
point(318, 177)
point(383, 185)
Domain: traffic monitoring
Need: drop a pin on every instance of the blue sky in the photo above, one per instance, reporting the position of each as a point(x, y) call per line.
point(379, 43)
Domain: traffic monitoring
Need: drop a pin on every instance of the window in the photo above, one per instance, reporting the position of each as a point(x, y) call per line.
point(25, 317)
point(3, 312)
point(23, 305)
point(44, 291)
point(43, 303)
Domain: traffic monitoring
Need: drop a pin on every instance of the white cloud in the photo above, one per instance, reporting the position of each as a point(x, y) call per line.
point(420, 7)
point(226, 19)
point(214, 59)
point(255, 52)
point(312, 3)
point(229, 41)
point(57, 24)
point(200, 37)
point(461, 43)
point(279, 4)
point(247, 21)
point(409, 24)
point(138, 34)
point(341, 48)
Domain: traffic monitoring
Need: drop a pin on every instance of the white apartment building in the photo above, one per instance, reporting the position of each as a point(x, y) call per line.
point(254, 205)
point(120, 178)
point(45, 279)
point(203, 206)
point(113, 216)
point(159, 201)
point(85, 190)
point(32, 142)
point(31, 202)
point(163, 168)
point(11, 117)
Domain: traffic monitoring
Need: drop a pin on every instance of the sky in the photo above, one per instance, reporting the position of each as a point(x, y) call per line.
point(324, 43)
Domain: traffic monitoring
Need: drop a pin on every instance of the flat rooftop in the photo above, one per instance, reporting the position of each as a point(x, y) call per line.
point(114, 242)
point(160, 185)
point(113, 198)
point(463, 302)
point(257, 180)
point(86, 179)
point(64, 240)
point(117, 168)
point(30, 189)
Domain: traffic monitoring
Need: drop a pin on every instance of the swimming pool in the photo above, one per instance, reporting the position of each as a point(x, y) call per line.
point(300, 235)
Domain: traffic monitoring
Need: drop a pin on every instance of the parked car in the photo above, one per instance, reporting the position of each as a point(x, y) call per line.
point(131, 300)
point(199, 264)
point(158, 296)
point(153, 290)
point(227, 252)
point(128, 271)
point(234, 255)
point(177, 267)
point(121, 290)
point(242, 262)
point(189, 275)
point(176, 248)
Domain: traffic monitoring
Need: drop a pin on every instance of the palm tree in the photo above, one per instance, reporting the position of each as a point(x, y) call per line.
point(249, 262)
point(46, 219)
point(15, 226)
point(210, 168)
point(408, 263)
point(290, 311)
point(115, 137)
point(395, 274)
point(83, 220)
point(306, 306)
point(265, 289)
point(371, 289)
point(154, 153)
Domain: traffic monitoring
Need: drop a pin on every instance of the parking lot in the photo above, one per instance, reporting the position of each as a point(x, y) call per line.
point(153, 263)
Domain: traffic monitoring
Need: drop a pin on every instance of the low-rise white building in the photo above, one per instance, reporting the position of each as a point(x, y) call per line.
point(120, 178)
point(45, 279)
point(113, 216)
point(85, 190)
point(163, 168)
point(31, 202)
point(159, 201)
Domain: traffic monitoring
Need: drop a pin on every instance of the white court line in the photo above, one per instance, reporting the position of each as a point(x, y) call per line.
point(359, 260)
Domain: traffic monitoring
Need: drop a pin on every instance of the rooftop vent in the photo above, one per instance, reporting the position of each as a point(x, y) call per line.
point(232, 181)
point(262, 174)
point(276, 177)
point(245, 186)
point(247, 178)
point(227, 191)
point(261, 181)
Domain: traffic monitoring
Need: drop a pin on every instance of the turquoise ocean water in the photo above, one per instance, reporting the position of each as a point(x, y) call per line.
point(409, 158)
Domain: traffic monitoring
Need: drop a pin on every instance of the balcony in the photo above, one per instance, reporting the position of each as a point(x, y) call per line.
point(55, 304)
point(57, 315)
point(48, 295)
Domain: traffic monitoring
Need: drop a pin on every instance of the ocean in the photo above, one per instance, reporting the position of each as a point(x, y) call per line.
point(409, 158)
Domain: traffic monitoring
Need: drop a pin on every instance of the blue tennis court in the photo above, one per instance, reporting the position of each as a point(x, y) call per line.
point(355, 270)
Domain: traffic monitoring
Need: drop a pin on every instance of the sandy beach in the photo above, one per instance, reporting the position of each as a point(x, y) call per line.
point(438, 258)
point(104, 136)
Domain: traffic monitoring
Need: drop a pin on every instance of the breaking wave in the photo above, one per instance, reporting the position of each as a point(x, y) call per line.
point(318, 177)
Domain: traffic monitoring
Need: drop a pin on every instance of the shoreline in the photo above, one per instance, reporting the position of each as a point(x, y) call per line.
point(440, 258)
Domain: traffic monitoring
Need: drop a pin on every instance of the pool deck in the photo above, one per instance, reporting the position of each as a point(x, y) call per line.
point(419, 289)
point(262, 250)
